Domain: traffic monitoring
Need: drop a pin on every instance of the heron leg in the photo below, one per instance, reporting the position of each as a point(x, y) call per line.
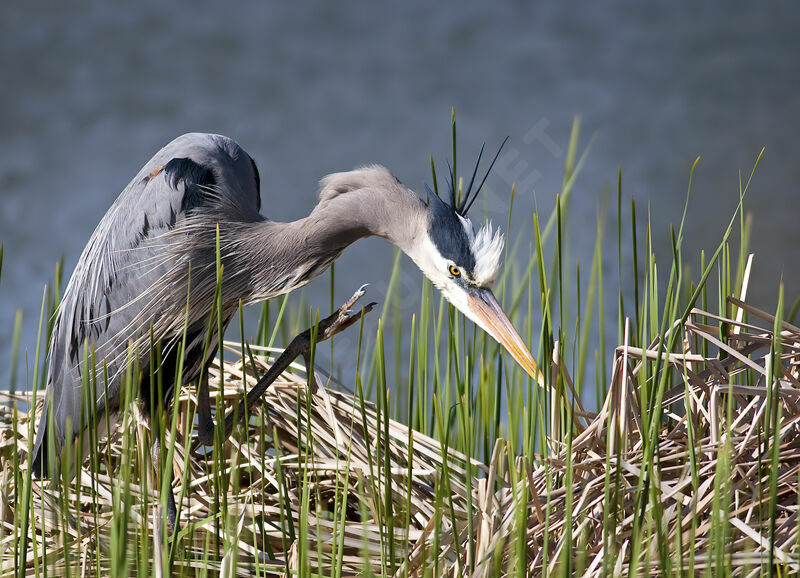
point(205, 423)
point(301, 345)
point(165, 470)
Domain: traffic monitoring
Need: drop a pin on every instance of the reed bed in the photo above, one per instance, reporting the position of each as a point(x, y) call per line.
point(326, 444)
point(312, 467)
point(727, 465)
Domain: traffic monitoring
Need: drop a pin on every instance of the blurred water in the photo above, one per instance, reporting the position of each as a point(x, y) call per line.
point(91, 90)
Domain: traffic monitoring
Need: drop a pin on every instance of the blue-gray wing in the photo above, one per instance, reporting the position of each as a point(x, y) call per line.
point(134, 274)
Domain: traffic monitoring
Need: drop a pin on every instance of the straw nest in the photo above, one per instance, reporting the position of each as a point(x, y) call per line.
point(328, 445)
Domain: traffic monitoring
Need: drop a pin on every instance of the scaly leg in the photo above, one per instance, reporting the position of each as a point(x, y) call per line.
point(164, 470)
point(343, 318)
point(205, 423)
point(299, 346)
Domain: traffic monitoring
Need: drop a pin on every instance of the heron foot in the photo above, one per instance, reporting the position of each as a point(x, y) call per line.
point(337, 322)
point(343, 317)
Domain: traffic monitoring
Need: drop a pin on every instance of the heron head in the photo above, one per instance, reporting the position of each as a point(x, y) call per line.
point(463, 264)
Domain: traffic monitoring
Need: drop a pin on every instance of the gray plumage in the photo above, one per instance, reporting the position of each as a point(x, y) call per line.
point(157, 245)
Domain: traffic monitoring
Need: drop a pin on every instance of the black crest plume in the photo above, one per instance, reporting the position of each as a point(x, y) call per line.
point(461, 205)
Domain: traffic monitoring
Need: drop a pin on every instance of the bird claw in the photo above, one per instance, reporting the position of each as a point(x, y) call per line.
point(345, 316)
point(360, 292)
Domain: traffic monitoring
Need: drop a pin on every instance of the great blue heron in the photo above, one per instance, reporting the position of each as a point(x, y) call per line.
point(157, 245)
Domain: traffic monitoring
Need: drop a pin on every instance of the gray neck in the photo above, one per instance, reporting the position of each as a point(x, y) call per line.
point(394, 213)
point(285, 256)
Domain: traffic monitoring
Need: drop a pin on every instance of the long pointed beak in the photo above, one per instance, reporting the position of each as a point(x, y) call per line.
point(490, 316)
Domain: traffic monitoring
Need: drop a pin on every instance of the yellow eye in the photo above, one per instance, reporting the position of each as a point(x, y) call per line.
point(454, 271)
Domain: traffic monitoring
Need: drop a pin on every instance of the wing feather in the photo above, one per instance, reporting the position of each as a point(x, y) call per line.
point(125, 279)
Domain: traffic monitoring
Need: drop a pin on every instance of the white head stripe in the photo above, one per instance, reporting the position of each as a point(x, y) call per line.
point(487, 248)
